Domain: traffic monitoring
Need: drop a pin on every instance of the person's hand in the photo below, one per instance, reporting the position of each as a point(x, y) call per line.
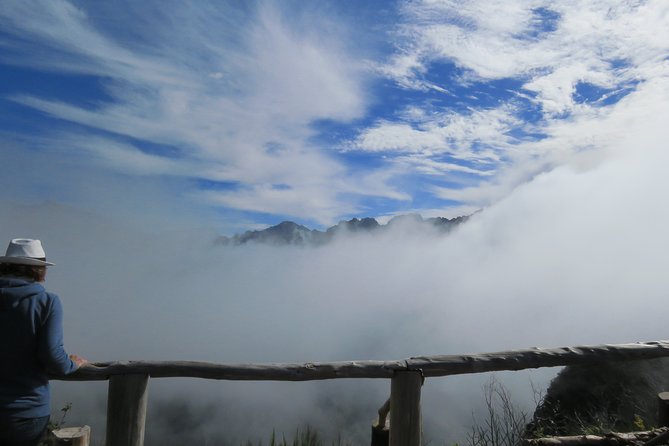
point(78, 360)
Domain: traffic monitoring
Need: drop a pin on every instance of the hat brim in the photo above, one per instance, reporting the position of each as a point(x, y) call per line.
point(24, 261)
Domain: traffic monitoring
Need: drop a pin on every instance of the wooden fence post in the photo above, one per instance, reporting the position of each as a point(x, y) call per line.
point(663, 409)
point(126, 410)
point(405, 419)
point(70, 436)
point(381, 427)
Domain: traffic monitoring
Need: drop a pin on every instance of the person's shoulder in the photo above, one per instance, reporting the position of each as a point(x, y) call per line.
point(52, 297)
point(47, 298)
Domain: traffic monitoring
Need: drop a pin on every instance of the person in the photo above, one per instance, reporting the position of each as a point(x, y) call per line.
point(31, 344)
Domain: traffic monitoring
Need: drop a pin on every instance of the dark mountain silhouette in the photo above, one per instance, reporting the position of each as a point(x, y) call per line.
point(290, 233)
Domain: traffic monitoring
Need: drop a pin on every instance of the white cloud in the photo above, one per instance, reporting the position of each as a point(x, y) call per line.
point(594, 42)
point(62, 36)
point(399, 137)
point(476, 135)
point(304, 77)
point(127, 159)
point(306, 203)
point(491, 40)
point(432, 167)
point(480, 195)
point(315, 200)
point(222, 101)
point(584, 141)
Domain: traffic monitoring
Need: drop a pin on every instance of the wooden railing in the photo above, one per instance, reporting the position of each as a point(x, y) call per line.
point(128, 380)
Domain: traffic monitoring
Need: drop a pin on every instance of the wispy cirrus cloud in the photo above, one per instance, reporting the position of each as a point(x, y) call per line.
point(234, 105)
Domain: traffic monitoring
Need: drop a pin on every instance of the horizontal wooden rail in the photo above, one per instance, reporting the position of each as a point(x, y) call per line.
point(536, 357)
point(430, 366)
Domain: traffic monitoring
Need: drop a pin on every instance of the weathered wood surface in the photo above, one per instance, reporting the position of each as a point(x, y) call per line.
point(245, 372)
point(126, 410)
point(405, 417)
point(381, 426)
point(537, 357)
point(384, 410)
point(430, 365)
point(663, 409)
point(613, 438)
point(71, 436)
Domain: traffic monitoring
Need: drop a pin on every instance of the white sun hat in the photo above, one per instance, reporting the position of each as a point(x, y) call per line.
point(25, 251)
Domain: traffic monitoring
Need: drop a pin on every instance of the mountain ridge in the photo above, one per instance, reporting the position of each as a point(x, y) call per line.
point(291, 233)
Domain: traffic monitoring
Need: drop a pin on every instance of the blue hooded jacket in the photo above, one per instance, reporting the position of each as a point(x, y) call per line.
point(31, 347)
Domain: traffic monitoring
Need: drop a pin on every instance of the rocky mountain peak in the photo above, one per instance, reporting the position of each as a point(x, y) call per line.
point(291, 233)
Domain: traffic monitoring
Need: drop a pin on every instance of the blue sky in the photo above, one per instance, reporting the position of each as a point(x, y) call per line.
point(243, 114)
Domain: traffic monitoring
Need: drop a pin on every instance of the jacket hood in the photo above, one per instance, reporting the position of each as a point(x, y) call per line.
point(13, 290)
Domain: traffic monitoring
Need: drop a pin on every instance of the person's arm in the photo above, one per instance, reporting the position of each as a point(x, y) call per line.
point(78, 360)
point(50, 350)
